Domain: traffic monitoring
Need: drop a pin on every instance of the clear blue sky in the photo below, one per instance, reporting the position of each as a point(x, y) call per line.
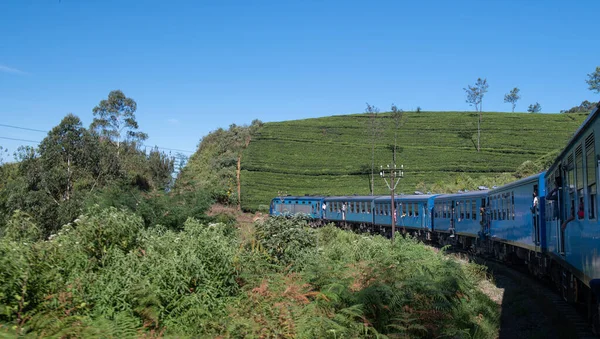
point(195, 66)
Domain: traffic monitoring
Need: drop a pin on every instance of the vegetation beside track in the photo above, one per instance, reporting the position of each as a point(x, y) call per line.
point(109, 275)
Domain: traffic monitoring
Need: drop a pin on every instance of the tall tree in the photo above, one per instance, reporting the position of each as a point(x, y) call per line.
point(475, 98)
point(397, 116)
point(534, 108)
point(114, 117)
point(512, 97)
point(593, 80)
point(374, 129)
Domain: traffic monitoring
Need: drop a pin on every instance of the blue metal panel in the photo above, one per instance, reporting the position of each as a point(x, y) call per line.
point(581, 235)
point(290, 206)
point(457, 209)
point(517, 225)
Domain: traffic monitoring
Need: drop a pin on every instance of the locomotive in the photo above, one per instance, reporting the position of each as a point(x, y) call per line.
point(548, 221)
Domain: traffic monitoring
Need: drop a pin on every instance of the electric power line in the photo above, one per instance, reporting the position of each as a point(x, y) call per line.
point(15, 139)
point(24, 128)
point(38, 130)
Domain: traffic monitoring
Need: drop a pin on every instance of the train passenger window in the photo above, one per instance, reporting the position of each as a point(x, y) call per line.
point(404, 207)
point(570, 174)
point(416, 210)
point(468, 209)
point(591, 166)
point(579, 167)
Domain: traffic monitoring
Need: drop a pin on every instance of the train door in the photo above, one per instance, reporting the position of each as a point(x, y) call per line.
point(565, 202)
point(452, 211)
point(535, 212)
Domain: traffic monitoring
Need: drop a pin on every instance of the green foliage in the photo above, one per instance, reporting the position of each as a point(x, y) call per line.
point(21, 228)
point(285, 240)
point(476, 93)
point(327, 156)
point(115, 115)
point(512, 97)
point(593, 80)
point(213, 167)
point(584, 107)
point(534, 108)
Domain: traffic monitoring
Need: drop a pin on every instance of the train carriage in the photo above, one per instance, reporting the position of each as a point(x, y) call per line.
point(350, 209)
point(458, 217)
point(296, 205)
point(572, 225)
point(514, 219)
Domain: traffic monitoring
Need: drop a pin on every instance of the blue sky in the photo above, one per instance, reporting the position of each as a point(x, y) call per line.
point(195, 66)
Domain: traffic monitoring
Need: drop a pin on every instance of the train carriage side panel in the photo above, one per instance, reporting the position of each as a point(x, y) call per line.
point(572, 199)
point(514, 220)
point(296, 205)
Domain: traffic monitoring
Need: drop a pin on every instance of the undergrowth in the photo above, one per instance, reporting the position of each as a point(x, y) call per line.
point(108, 275)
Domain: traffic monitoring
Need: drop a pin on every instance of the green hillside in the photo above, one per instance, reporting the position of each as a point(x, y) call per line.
point(332, 155)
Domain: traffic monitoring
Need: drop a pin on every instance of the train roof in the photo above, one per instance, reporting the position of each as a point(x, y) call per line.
point(590, 118)
point(351, 198)
point(306, 197)
point(519, 182)
point(471, 194)
point(406, 197)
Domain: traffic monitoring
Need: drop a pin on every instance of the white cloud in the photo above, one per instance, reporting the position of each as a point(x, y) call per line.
point(173, 122)
point(11, 70)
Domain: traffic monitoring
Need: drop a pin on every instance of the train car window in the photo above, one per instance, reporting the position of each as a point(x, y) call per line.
point(591, 166)
point(570, 174)
point(579, 167)
point(417, 210)
point(388, 209)
point(468, 209)
point(404, 207)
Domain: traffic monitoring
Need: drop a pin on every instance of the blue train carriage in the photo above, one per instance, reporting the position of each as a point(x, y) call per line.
point(309, 206)
point(516, 218)
point(413, 213)
point(354, 212)
point(458, 218)
point(572, 227)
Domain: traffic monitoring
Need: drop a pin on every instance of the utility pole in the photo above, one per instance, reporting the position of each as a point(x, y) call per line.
point(394, 174)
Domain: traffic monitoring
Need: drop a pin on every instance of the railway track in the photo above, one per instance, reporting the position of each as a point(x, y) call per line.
point(564, 318)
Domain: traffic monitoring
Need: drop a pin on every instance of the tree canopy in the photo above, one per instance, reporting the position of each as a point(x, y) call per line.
point(512, 97)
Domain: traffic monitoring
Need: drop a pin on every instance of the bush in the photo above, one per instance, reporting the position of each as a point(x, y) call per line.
point(285, 240)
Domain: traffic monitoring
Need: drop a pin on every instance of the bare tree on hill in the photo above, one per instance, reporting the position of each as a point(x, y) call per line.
point(373, 129)
point(475, 98)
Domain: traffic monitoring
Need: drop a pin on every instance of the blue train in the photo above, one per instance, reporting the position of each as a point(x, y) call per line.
point(548, 221)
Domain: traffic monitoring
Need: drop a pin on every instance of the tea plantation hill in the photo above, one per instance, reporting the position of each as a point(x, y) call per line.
point(332, 155)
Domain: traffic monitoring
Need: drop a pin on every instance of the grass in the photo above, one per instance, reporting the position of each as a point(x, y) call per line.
point(332, 155)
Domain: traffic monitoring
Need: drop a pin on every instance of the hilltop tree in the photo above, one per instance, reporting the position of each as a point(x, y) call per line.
point(397, 117)
point(115, 116)
point(475, 98)
point(512, 97)
point(373, 130)
point(534, 108)
point(584, 107)
point(593, 80)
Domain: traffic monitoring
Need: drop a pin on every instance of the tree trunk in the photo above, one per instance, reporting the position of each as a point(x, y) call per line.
point(478, 131)
point(239, 186)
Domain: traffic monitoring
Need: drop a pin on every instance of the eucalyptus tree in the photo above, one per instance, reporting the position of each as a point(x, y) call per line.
point(374, 128)
point(475, 98)
point(512, 97)
point(593, 80)
point(115, 119)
